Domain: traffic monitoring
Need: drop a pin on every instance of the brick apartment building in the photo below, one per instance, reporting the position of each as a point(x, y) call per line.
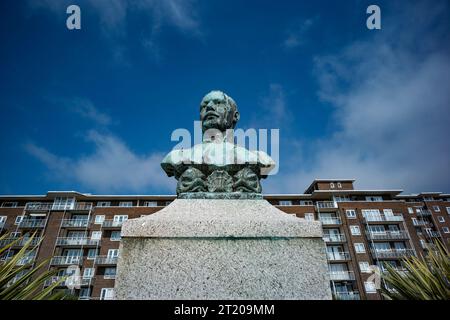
point(361, 228)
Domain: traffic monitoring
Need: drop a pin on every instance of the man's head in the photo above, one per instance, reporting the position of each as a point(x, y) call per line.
point(218, 111)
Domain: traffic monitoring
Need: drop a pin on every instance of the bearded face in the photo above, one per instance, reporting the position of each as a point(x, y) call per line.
point(218, 111)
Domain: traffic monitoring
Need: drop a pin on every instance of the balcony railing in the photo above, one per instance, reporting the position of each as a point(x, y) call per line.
point(326, 205)
point(342, 275)
point(330, 221)
point(433, 234)
point(32, 223)
point(38, 206)
point(20, 243)
point(338, 256)
point(69, 281)
point(75, 223)
point(66, 260)
point(81, 206)
point(420, 223)
point(334, 237)
point(392, 253)
point(351, 295)
point(383, 218)
point(424, 213)
point(76, 241)
point(112, 224)
point(105, 260)
point(26, 260)
point(387, 235)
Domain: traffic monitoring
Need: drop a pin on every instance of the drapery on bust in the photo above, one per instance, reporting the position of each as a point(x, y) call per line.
point(217, 165)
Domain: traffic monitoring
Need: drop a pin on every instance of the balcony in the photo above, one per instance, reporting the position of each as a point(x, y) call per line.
point(420, 223)
point(341, 275)
point(111, 224)
point(392, 253)
point(26, 260)
point(76, 241)
point(66, 260)
point(80, 206)
point(20, 243)
point(388, 235)
point(433, 234)
point(424, 213)
point(341, 256)
point(326, 205)
point(351, 295)
point(328, 221)
point(383, 218)
point(328, 238)
point(69, 281)
point(75, 223)
point(38, 206)
point(32, 223)
point(105, 260)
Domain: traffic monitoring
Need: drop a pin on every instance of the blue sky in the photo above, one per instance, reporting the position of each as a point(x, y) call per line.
point(92, 110)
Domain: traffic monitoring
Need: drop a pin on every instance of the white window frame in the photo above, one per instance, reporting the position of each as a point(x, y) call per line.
point(339, 185)
point(88, 257)
point(350, 213)
point(309, 216)
point(18, 220)
point(436, 209)
point(448, 210)
point(107, 294)
point(104, 204)
point(88, 273)
point(112, 253)
point(445, 230)
point(285, 203)
point(150, 203)
point(369, 286)
point(99, 218)
point(96, 235)
point(364, 266)
point(126, 204)
point(359, 246)
point(11, 204)
point(120, 218)
point(355, 230)
point(109, 276)
point(441, 219)
point(3, 220)
point(410, 210)
point(331, 185)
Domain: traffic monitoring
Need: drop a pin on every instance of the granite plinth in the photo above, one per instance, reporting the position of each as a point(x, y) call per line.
point(222, 249)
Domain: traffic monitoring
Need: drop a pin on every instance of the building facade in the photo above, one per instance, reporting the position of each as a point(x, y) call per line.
point(80, 233)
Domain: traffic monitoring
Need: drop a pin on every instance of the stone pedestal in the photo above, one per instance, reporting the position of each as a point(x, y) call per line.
point(222, 249)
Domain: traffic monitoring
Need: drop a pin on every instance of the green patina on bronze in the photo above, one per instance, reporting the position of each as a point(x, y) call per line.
point(218, 168)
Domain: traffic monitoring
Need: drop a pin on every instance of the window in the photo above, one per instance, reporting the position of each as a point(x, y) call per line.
point(310, 203)
point(331, 185)
point(359, 248)
point(120, 218)
point(374, 198)
point(96, 235)
point(104, 204)
point(63, 203)
point(388, 212)
point(364, 267)
point(150, 204)
point(309, 216)
point(339, 185)
point(351, 214)
point(428, 199)
point(410, 210)
point(88, 273)
point(91, 254)
point(441, 219)
point(99, 219)
point(126, 204)
point(15, 234)
point(285, 203)
point(113, 253)
point(115, 236)
point(110, 273)
point(445, 230)
point(448, 210)
point(370, 287)
point(18, 219)
point(436, 209)
point(107, 294)
point(2, 221)
point(85, 293)
point(355, 230)
point(9, 204)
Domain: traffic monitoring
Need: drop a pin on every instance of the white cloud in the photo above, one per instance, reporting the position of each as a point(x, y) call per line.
point(86, 109)
point(391, 106)
point(297, 36)
point(112, 167)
